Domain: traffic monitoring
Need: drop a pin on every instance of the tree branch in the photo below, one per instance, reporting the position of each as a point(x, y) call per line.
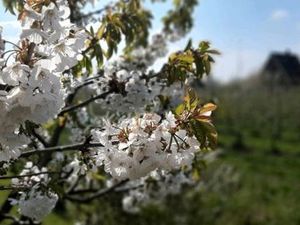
point(82, 146)
point(12, 188)
point(84, 103)
point(86, 82)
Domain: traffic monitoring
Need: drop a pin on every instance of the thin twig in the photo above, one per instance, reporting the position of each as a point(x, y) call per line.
point(26, 175)
point(83, 191)
point(9, 42)
point(11, 188)
point(83, 16)
point(98, 194)
point(40, 138)
point(63, 148)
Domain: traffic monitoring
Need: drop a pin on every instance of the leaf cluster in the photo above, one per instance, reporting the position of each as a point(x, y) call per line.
point(130, 22)
point(196, 62)
point(196, 118)
point(12, 5)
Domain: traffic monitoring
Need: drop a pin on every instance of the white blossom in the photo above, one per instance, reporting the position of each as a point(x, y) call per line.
point(135, 147)
point(34, 90)
point(36, 204)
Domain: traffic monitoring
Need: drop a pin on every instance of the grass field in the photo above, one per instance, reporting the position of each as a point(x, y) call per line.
point(270, 185)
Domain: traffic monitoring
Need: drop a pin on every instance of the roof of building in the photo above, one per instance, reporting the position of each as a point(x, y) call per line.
point(287, 62)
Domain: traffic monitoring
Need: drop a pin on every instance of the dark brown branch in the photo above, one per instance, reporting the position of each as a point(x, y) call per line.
point(84, 103)
point(96, 195)
point(118, 190)
point(101, 73)
point(83, 191)
point(85, 83)
point(12, 188)
point(82, 146)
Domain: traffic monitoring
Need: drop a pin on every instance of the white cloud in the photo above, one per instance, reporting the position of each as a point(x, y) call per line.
point(279, 14)
point(10, 24)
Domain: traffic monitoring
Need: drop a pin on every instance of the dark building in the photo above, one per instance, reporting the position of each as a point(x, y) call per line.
point(282, 69)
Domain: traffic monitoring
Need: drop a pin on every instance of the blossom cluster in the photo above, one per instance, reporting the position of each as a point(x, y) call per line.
point(136, 146)
point(31, 88)
point(130, 92)
point(158, 185)
point(37, 204)
point(132, 87)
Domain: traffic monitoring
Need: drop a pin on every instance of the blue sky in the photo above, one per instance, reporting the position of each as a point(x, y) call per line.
point(245, 31)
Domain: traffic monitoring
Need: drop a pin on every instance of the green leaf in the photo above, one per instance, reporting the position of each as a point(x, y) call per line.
point(186, 58)
point(199, 133)
point(92, 31)
point(179, 109)
point(189, 45)
point(214, 52)
point(205, 133)
point(207, 67)
point(99, 55)
point(98, 176)
point(88, 64)
point(204, 46)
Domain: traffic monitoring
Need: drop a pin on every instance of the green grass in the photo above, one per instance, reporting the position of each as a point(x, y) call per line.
point(269, 192)
point(270, 184)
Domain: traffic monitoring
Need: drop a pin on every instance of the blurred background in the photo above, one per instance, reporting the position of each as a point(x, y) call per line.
point(256, 85)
